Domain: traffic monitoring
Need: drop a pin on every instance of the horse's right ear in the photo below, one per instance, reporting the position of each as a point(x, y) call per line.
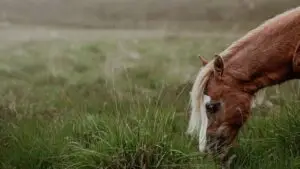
point(218, 65)
point(203, 60)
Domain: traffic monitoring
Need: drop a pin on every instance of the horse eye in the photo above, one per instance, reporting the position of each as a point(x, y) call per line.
point(212, 107)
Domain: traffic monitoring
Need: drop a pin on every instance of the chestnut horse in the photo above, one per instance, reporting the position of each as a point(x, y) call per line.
point(224, 88)
point(260, 96)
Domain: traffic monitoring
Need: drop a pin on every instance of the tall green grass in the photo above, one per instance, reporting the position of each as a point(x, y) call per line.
point(123, 139)
point(271, 142)
point(123, 105)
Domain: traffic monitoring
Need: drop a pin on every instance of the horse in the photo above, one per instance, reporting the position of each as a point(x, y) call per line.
point(224, 89)
point(259, 98)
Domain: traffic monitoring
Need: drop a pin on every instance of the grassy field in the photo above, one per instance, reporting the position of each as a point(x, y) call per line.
point(77, 97)
point(123, 104)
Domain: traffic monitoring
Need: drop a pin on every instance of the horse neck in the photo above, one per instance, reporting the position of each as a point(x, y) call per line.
point(260, 70)
point(266, 58)
point(263, 79)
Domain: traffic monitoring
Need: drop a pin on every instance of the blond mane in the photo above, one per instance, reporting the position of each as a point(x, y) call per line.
point(198, 122)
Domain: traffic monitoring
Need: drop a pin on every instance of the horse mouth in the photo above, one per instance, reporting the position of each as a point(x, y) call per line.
point(218, 146)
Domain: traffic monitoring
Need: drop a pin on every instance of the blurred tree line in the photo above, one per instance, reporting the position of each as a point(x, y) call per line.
point(101, 13)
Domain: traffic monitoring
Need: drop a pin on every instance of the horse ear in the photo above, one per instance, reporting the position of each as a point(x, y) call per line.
point(296, 58)
point(203, 60)
point(218, 65)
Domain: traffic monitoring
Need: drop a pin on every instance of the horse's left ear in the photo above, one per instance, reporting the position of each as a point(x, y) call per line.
point(219, 65)
point(296, 58)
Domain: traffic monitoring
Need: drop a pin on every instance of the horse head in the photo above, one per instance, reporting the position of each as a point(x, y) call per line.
point(224, 108)
point(227, 108)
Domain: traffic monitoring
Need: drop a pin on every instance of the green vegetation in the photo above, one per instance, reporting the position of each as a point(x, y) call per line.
point(122, 104)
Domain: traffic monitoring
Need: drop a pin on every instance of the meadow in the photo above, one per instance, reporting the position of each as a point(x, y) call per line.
point(107, 86)
point(123, 104)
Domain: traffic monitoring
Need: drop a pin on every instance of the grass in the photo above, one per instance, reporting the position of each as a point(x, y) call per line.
point(122, 104)
point(272, 142)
